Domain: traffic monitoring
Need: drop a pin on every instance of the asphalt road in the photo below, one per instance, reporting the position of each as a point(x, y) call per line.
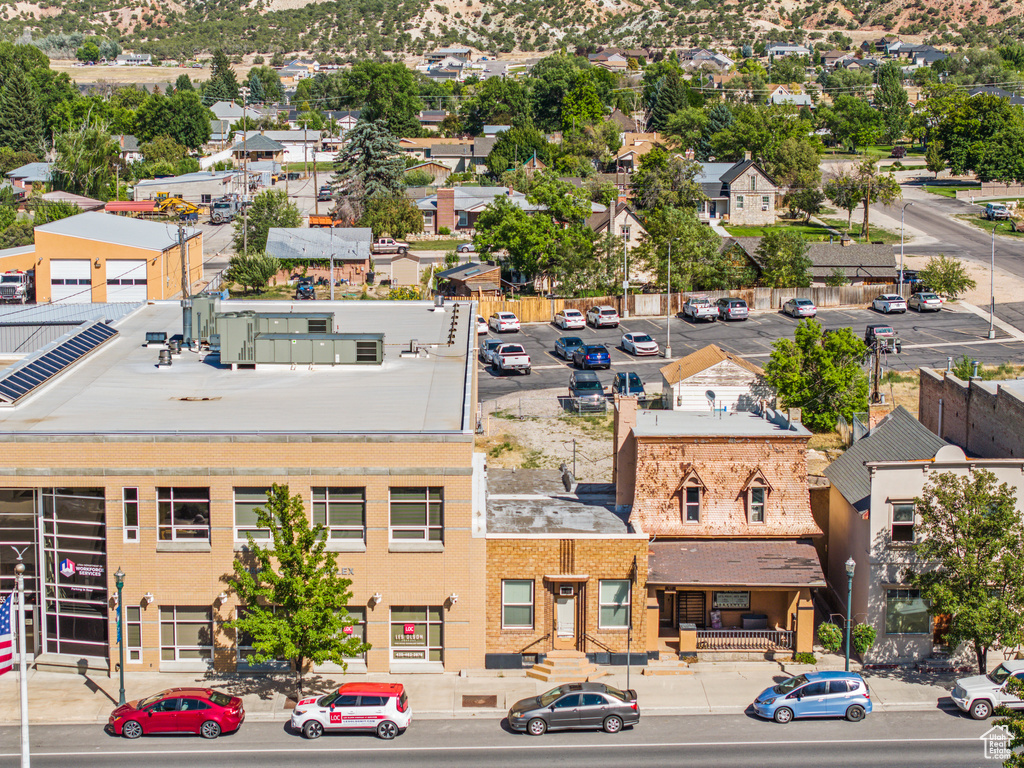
point(927, 340)
point(933, 739)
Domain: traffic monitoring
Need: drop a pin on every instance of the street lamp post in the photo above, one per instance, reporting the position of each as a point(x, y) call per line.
point(119, 583)
point(668, 306)
point(850, 565)
point(992, 286)
point(903, 214)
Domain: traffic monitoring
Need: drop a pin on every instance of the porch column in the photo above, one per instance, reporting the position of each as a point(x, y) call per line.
point(653, 621)
point(804, 641)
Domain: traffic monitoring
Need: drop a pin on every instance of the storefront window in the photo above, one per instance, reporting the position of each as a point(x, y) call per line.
point(905, 612)
point(342, 511)
point(614, 596)
point(186, 633)
point(183, 513)
point(416, 634)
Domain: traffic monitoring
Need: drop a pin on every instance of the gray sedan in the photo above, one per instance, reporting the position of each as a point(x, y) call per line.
point(575, 705)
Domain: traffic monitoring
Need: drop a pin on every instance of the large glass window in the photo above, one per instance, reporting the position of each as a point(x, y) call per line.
point(186, 633)
point(614, 609)
point(417, 513)
point(183, 513)
point(417, 634)
point(342, 511)
point(903, 522)
point(517, 604)
point(247, 501)
point(130, 507)
point(905, 612)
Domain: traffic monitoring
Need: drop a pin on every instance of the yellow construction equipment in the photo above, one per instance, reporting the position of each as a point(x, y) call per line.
point(168, 205)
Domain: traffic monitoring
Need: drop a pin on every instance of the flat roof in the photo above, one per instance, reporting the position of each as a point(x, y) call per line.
point(718, 424)
point(119, 389)
point(535, 502)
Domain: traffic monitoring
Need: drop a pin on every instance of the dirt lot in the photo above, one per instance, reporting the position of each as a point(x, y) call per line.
point(126, 74)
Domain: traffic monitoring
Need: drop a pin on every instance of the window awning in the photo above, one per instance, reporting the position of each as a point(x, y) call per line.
point(735, 563)
point(566, 578)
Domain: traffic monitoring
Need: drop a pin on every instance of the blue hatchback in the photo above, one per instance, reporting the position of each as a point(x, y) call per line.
point(816, 694)
point(592, 356)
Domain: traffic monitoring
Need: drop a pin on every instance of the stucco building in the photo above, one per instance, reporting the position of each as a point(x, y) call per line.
point(985, 418)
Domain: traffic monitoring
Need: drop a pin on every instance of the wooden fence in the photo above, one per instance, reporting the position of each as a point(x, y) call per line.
point(537, 309)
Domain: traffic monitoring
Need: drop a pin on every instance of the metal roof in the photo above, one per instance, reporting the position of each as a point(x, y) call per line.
point(188, 178)
point(27, 328)
point(118, 230)
point(732, 562)
point(258, 143)
point(316, 243)
point(898, 437)
point(31, 172)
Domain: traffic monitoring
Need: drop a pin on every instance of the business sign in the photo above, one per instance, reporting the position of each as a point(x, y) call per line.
point(409, 629)
point(347, 630)
point(731, 601)
point(67, 568)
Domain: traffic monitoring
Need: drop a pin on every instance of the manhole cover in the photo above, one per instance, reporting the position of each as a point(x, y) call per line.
point(477, 701)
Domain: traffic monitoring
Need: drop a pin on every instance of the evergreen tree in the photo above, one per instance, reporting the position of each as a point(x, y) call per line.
point(21, 123)
point(368, 166)
point(256, 93)
point(183, 83)
point(891, 100)
point(222, 74)
point(670, 96)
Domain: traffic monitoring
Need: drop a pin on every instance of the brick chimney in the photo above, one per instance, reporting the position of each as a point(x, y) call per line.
point(624, 457)
point(445, 209)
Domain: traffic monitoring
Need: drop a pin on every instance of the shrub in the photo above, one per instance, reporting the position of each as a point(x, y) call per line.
point(444, 231)
point(946, 276)
point(863, 637)
point(830, 637)
point(403, 294)
point(805, 658)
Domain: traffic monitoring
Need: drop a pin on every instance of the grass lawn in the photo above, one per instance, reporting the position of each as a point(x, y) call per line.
point(949, 190)
point(813, 232)
point(877, 233)
point(436, 245)
point(308, 167)
point(976, 220)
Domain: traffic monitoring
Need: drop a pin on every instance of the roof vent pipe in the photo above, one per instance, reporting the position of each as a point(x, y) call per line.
point(974, 369)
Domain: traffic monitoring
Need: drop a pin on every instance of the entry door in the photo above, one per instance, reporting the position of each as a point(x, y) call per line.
point(667, 609)
point(126, 280)
point(565, 617)
point(691, 608)
point(71, 281)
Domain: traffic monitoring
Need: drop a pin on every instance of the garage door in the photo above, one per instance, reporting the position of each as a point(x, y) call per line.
point(70, 281)
point(126, 280)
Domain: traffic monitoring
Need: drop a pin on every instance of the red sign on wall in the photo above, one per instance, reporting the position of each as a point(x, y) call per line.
point(409, 629)
point(347, 630)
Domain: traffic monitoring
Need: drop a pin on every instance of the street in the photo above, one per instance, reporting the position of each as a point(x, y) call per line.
point(927, 341)
point(934, 739)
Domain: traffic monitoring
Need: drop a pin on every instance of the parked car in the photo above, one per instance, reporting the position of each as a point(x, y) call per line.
point(732, 309)
point(923, 301)
point(603, 317)
point(511, 357)
point(628, 384)
point(592, 356)
point(203, 711)
point(465, 248)
point(997, 212)
point(639, 344)
point(700, 308)
point(980, 695)
point(886, 336)
point(503, 321)
point(587, 391)
point(380, 707)
point(816, 694)
point(481, 324)
point(570, 319)
point(889, 302)
point(575, 705)
point(567, 345)
point(488, 348)
point(324, 193)
point(800, 308)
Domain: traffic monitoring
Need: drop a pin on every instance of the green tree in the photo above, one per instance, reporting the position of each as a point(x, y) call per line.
point(368, 166)
point(21, 121)
point(891, 100)
point(845, 192)
point(386, 92)
point(496, 101)
point(257, 95)
point(947, 276)
point(162, 148)
point(183, 83)
point(668, 95)
point(665, 180)
point(181, 116)
point(550, 80)
point(837, 278)
point(45, 211)
point(86, 160)
point(88, 52)
point(292, 596)
point(933, 158)
point(784, 261)
point(853, 121)
point(876, 187)
point(417, 179)
point(519, 144)
point(222, 77)
point(270, 81)
point(581, 106)
point(1002, 158)
point(819, 373)
point(394, 215)
point(808, 201)
point(252, 271)
point(970, 538)
point(270, 208)
point(686, 128)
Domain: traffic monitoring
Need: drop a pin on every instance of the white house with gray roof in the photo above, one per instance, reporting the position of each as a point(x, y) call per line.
point(739, 193)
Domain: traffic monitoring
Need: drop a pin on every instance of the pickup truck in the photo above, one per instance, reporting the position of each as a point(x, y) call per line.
point(996, 212)
point(388, 245)
point(700, 308)
point(511, 357)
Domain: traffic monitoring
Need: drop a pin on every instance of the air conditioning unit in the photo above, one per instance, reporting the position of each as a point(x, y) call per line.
point(566, 590)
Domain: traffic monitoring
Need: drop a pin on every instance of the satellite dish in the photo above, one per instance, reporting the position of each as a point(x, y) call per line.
point(710, 395)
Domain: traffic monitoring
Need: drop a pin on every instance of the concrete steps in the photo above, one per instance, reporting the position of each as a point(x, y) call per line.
point(667, 664)
point(565, 667)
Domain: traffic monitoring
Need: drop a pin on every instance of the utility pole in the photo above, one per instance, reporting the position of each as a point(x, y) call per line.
point(668, 306)
point(992, 286)
point(244, 90)
point(903, 214)
point(876, 373)
point(186, 289)
point(316, 189)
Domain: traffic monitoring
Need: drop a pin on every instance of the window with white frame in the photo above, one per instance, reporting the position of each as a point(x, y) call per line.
point(463, 219)
point(133, 632)
point(691, 504)
point(765, 202)
point(613, 595)
point(247, 501)
point(517, 604)
point(902, 528)
point(417, 633)
point(417, 514)
point(905, 612)
point(183, 513)
point(342, 511)
point(739, 202)
point(757, 497)
point(625, 232)
point(186, 633)
point(753, 183)
point(130, 508)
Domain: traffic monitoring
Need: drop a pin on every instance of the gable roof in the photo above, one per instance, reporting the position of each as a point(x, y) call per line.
point(118, 230)
point(32, 173)
point(701, 360)
point(258, 143)
point(898, 437)
point(598, 222)
point(316, 243)
point(857, 260)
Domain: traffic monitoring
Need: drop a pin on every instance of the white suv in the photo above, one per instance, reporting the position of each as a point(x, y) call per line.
point(981, 695)
point(603, 317)
point(380, 707)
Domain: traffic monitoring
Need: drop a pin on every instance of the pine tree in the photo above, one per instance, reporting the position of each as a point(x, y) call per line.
point(222, 74)
point(183, 83)
point(671, 97)
point(368, 166)
point(21, 122)
point(257, 95)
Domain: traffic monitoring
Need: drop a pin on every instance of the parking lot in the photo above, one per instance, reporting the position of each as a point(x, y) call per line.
point(927, 340)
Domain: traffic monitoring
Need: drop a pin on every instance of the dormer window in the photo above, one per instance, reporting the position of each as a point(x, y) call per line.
point(757, 499)
point(690, 491)
point(691, 504)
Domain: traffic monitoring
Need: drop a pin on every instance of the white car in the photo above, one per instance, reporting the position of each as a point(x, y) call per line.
point(639, 344)
point(481, 324)
point(800, 308)
point(889, 302)
point(924, 301)
point(603, 317)
point(700, 308)
point(570, 319)
point(980, 695)
point(380, 707)
point(503, 321)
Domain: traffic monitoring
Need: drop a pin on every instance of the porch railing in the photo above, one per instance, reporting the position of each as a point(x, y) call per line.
point(744, 640)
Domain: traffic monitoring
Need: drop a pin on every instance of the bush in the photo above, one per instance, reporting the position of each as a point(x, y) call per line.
point(253, 271)
point(805, 658)
point(444, 231)
point(830, 636)
point(946, 276)
point(403, 294)
point(863, 637)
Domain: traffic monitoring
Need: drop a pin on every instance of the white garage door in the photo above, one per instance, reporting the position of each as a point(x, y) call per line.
point(126, 280)
point(70, 281)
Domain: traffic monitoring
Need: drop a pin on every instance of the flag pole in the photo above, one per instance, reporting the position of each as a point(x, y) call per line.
point(19, 570)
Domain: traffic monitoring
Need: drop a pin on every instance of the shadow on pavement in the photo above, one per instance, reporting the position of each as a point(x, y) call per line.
point(267, 685)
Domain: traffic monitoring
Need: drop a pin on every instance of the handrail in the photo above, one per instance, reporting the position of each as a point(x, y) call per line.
point(526, 648)
point(745, 639)
point(595, 641)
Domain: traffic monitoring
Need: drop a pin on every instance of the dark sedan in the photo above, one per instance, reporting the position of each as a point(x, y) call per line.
point(592, 356)
point(573, 706)
point(566, 346)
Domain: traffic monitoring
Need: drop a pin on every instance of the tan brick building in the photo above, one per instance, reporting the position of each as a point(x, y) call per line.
point(116, 462)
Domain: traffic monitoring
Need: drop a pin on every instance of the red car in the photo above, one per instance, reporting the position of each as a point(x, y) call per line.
point(179, 710)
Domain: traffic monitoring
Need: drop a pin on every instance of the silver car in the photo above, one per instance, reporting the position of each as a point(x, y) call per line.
point(980, 695)
point(800, 308)
point(925, 302)
point(575, 705)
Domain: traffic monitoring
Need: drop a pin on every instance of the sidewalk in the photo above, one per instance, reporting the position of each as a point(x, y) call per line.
point(714, 688)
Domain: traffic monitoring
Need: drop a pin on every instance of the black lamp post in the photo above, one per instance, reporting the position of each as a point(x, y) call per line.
point(119, 583)
point(850, 565)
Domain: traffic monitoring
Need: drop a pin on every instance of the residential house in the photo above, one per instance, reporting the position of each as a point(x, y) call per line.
point(740, 193)
point(298, 69)
point(200, 187)
point(532, 166)
point(475, 280)
point(258, 147)
point(624, 121)
point(462, 54)
point(30, 176)
point(624, 224)
point(991, 90)
point(860, 64)
point(704, 60)
point(494, 130)
point(422, 148)
point(609, 59)
point(829, 59)
point(457, 208)
point(711, 380)
point(83, 203)
point(724, 499)
point(316, 248)
point(859, 263)
point(439, 172)
point(431, 119)
point(783, 50)
point(17, 193)
point(130, 152)
point(985, 418)
point(135, 59)
point(634, 146)
point(881, 45)
point(299, 145)
point(453, 73)
point(462, 157)
point(782, 95)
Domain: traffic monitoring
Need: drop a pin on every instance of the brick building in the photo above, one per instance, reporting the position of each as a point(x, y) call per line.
point(726, 500)
point(116, 462)
point(985, 418)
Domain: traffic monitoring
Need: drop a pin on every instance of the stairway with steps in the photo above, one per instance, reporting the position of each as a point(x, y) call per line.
point(667, 663)
point(565, 667)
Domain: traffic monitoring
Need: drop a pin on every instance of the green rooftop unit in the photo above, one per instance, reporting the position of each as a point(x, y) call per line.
point(319, 349)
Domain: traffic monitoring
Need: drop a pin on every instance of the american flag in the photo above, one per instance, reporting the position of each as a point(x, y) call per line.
point(6, 639)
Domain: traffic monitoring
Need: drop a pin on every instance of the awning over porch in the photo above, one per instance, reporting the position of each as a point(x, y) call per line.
point(740, 563)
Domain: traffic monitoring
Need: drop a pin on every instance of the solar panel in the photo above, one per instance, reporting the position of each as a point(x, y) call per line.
point(33, 372)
